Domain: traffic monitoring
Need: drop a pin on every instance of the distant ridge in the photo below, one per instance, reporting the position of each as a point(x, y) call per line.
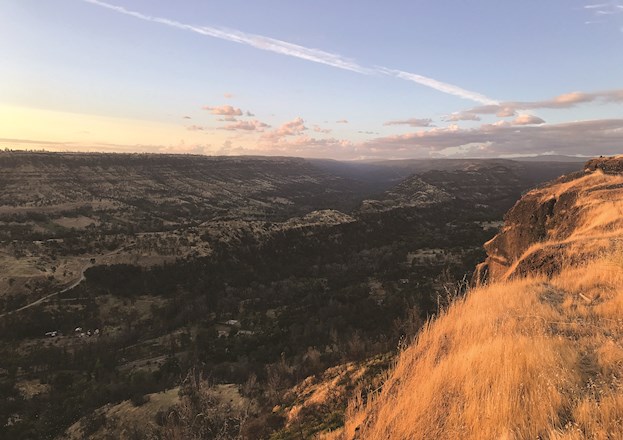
point(551, 158)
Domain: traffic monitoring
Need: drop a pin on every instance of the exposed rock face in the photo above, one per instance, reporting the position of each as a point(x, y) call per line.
point(557, 224)
point(609, 165)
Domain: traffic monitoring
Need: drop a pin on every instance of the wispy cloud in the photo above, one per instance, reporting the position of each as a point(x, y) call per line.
point(510, 108)
point(319, 129)
point(228, 119)
point(610, 8)
point(582, 137)
point(462, 116)
point(604, 12)
point(195, 128)
point(24, 144)
point(253, 125)
point(527, 120)
point(413, 122)
point(294, 50)
point(488, 140)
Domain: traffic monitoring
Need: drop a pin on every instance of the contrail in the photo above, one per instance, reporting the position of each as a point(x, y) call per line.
point(438, 85)
point(297, 51)
point(257, 41)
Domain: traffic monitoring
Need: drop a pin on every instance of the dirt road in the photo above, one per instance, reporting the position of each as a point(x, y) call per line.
point(67, 288)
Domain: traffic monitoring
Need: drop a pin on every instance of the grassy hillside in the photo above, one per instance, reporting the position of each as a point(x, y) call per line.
point(533, 354)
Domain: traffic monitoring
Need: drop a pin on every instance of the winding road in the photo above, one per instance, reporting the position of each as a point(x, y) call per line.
point(66, 288)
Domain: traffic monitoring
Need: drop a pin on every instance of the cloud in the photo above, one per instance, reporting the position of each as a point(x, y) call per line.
point(228, 95)
point(253, 125)
point(342, 121)
point(583, 137)
point(505, 112)
point(34, 142)
point(610, 8)
point(593, 137)
point(413, 122)
point(295, 126)
point(605, 12)
point(568, 100)
point(297, 51)
point(291, 128)
point(195, 128)
point(319, 129)
point(225, 110)
point(250, 114)
point(527, 120)
point(307, 146)
point(462, 116)
point(227, 119)
point(510, 108)
point(182, 147)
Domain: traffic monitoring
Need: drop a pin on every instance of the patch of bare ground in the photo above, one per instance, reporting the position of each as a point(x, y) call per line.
point(124, 419)
point(79, 222)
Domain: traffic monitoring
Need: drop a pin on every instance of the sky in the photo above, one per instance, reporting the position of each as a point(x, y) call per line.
point(342, 80)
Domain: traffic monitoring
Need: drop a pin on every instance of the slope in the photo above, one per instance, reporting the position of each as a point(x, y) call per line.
point(535, 354)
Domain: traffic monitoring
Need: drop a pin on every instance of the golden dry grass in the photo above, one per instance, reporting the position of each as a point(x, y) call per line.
point(593, 230)
point(523, 359)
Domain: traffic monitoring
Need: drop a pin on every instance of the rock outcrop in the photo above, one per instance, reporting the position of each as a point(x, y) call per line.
point(609, 165)
point(558, 224)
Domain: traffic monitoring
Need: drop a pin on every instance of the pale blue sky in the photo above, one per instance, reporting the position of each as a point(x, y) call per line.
point(138, 75)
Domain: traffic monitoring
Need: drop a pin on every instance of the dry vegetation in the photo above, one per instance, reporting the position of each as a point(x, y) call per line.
point(528, 357)
point(585, 221)
point(524, 359)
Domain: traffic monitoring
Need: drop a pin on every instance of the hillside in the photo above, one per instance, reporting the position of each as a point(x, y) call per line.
point(538, 351)
point(151, 191)
point(263, 276)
